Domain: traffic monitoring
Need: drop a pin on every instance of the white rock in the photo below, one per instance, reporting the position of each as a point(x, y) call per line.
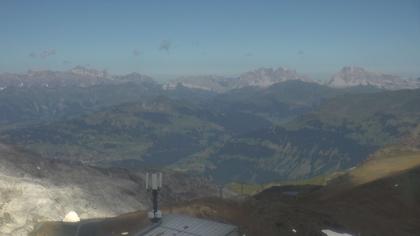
point(332, 233)
point(71, 217)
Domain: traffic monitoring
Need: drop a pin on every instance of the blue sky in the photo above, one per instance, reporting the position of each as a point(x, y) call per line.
point(172, 38)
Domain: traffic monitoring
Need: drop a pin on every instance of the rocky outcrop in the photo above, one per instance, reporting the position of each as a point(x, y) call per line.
point(351, 76)
point(34, 190)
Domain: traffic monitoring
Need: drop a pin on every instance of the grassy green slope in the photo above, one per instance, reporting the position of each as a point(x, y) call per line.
point(375, 118)
point(159, 131)
point(341, 133)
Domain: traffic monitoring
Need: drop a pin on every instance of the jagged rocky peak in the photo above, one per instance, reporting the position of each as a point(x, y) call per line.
point(133, 77)
point(83, 71)
point(354, 69)
point(351, 76)
point(204, 82)
point(78, 76)
point(264, 77)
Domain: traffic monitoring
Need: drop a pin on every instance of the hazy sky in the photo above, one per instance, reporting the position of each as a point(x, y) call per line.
point(219, 37)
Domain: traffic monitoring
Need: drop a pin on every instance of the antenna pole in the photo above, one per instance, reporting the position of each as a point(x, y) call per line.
point(155, 201)
point(154, 184)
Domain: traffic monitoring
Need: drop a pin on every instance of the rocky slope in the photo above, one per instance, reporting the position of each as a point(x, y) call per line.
point(387, 205)
point(33, 190)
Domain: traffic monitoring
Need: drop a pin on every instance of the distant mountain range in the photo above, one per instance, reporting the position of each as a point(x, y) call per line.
point(268, 122)
point(269, 125)
point(356, 76)
point(262, 77)
point(78, 76)
point(349, 76)
point(289, 130)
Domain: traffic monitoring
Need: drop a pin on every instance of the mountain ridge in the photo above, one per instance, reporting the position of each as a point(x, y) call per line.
point(263, 77)
point(350, 76)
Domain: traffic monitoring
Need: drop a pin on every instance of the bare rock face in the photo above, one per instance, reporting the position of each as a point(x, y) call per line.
point(213, 83)
point(265, 77)
point(33, 190)
point(262, 77)
point(351, 76)
point(27, 200)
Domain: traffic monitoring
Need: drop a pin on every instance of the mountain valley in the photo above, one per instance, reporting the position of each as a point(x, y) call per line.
point(271, 131)
point(85, 146)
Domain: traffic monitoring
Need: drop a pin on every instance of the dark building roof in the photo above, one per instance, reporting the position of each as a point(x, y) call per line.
point(181, 225)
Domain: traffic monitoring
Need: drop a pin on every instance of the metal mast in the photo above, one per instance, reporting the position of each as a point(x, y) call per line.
point(154, 184)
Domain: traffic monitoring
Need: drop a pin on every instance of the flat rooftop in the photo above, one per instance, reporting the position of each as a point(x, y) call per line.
point(137, 224)
point(182, 225)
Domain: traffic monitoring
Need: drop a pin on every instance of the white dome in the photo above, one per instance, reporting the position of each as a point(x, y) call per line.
point(71, 217)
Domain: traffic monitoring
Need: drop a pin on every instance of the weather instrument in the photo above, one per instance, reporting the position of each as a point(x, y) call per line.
point(154, 185)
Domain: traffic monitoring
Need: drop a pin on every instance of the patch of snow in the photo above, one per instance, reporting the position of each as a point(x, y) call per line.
point(124, 233)
point(332, 233)
point(294, 230)
point(396, 185)
point(71, 217)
